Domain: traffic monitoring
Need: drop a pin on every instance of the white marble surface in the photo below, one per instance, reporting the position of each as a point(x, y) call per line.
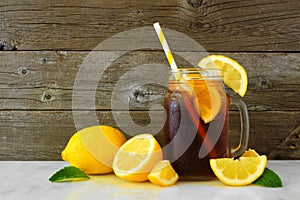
point(29, 180)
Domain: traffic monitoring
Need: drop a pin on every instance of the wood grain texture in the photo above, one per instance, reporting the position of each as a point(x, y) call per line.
point(290, 147)
point(44, 80)
point(42, 135)
point(40, 83)
point(226, 25)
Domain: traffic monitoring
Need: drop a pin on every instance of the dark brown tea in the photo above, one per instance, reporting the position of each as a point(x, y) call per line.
point(185, 130)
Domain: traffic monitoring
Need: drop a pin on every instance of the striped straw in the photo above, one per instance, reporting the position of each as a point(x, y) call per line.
point(166, 48)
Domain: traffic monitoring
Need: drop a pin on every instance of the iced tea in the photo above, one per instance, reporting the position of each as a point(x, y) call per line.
point(185, 130)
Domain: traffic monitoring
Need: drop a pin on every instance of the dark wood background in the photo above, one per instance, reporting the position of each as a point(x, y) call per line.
point(43, 43)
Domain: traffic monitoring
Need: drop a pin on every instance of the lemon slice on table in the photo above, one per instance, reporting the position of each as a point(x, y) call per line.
point(163, 174)
point(239, 172)
point(137, 157)
point(250, 153)
point(233, 73)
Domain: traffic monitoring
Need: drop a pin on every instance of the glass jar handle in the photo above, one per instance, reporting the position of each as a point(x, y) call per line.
point(240, 149)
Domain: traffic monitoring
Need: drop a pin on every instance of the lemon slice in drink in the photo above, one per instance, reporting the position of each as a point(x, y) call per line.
point(137, 157)
point(208, 96)
point(233, 73)
point(241, 171)
point(163, 174)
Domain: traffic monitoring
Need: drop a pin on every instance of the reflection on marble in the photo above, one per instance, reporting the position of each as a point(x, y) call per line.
point(29, 180)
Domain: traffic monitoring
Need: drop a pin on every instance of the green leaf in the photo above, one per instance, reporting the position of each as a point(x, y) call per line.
point(67, 174)
point(269, 179)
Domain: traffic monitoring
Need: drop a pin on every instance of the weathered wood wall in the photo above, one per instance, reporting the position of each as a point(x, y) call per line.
point(44, 42)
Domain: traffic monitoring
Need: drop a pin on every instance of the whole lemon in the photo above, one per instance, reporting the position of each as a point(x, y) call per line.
point(92, 149)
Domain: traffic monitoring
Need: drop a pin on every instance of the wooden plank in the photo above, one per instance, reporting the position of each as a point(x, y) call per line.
point(223, 25)
point(267, 130)
point(44, 80)
point(290, 147)
point(42, 135)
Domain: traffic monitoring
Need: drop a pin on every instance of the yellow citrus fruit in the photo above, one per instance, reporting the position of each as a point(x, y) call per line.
point(233, 73)
point(250, 153)
point(92, 149)
point(163, 174)
point(208, 96)
point(208, 99)
point(137, 157)
point(241, 171)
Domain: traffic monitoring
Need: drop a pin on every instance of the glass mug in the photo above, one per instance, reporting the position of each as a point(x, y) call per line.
point(197, 122)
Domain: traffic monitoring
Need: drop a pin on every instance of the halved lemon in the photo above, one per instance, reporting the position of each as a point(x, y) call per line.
point(241, 171)
point(163, 174)
point(233, 73)
point(136, 158)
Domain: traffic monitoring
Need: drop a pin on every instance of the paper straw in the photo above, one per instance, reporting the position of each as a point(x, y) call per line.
point(166, 48)
point(177, 75)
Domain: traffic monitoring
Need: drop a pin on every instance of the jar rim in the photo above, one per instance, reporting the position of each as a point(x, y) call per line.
point(204, 74)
